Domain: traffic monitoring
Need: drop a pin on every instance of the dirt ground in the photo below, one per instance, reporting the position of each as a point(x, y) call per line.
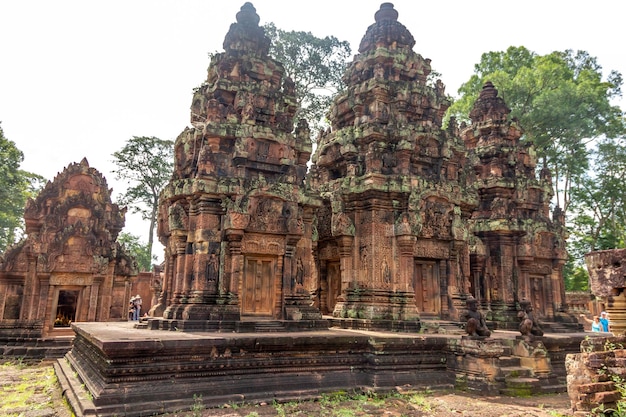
point(31, 390)
point(431, 405)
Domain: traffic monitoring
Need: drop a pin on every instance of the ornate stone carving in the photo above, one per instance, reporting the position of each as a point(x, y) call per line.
point(244, 166)
point(71, 247)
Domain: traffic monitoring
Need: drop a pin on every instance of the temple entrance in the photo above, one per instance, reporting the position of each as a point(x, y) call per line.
point(257, 298)
point(426, 284)
point(334, 285)
point(66, 308)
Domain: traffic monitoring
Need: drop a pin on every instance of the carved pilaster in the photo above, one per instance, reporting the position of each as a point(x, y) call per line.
point(233, 274)
point(407, 264)
point(345, 246)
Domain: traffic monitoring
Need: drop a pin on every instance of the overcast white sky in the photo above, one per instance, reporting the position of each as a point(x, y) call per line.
point(78, 78)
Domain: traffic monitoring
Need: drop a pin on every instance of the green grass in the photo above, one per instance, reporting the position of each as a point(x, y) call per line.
point(420, 400)
point(29, 390)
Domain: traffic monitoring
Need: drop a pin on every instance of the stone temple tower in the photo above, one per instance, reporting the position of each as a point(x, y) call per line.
point(519, 251)
point(392, 236)
point(235, 218)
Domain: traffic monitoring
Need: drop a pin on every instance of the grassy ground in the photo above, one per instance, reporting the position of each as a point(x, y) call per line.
point(30, 390)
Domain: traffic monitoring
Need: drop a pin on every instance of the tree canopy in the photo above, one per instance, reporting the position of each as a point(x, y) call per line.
point(16, 186)
point(146, 164)
point(137, 250)
point(315, 65)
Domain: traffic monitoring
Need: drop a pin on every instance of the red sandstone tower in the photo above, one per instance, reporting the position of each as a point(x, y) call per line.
point(235, 218)
point(519, 251)
point(392, 231)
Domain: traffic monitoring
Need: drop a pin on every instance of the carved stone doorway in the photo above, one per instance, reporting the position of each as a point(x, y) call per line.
point(65, 307)
point(258, 292)
point(426, 284)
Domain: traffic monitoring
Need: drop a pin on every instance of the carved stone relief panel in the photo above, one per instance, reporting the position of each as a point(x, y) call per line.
point(262, 244)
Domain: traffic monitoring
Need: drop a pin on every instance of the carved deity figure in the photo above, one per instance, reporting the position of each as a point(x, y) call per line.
point(529, 325)
point(299, 272)
point(212, 268)
point(476, 325)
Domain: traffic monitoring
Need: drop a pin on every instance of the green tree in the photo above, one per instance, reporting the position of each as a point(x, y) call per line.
point(146, 164)
point(599, 200)
point(315, 65)
point(561, 101)
point(16, 187)
point(576, 277)
point(137, 250)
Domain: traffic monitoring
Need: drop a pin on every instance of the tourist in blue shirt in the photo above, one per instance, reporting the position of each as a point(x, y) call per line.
point(604, 321)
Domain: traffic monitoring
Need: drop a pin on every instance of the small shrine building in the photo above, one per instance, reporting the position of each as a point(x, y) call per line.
point(70, 267)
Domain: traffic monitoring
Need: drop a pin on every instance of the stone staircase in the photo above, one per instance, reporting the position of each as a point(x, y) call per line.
point(516, 380)
point(561, 327)
point(511, 367)
point(270, 326)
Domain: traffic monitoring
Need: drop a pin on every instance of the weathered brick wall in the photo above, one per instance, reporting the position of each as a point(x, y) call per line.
point(593, 375)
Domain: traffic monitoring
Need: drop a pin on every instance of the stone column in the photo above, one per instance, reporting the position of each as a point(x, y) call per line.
point(288, 276)
point(44, 284)
point(163, 300)
point(345, 245)
point(407, 265)
point(29, 301)
point(187, 272)
point(234, 238)
point(178, 276)
point(525, 291)
point(94, 294)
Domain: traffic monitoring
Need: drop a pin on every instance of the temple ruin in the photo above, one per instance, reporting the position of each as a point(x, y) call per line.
point(70, 267)
point(397, 220)
point(517, 250)
point(236, 219)
point(275, 273)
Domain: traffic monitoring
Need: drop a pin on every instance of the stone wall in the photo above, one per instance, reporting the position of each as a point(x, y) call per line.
point(593, 375)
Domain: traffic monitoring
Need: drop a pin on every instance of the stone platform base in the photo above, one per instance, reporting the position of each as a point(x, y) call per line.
point(234, 326)
point(25, 340)
point(132, 372)
point(36, 348)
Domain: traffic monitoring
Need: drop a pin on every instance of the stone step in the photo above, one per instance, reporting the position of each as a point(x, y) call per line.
point(509, 361)
point(434, 325)
point(512, 372)
point(559, 327)
point(38, 348)
point(521, 387)
point(268, 326)
point(553, 388)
